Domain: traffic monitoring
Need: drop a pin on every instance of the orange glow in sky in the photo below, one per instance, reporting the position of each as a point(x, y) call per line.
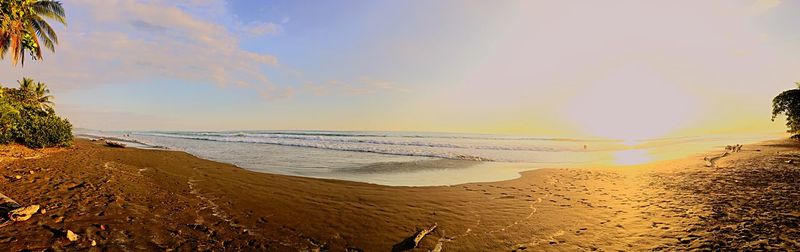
point(623, 70)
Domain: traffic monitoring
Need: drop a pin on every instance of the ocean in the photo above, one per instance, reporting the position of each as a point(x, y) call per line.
point(413, 158)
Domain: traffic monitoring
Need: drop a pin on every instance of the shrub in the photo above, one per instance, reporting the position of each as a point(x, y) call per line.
point(38, 131)
point(9, 117)
point(27, 117)
point(44, 131)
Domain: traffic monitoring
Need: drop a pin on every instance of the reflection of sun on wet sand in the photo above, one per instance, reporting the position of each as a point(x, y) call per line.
point(631, 157)
point(152, 200)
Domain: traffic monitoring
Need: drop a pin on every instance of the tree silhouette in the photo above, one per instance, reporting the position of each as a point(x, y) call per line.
point(788, 103)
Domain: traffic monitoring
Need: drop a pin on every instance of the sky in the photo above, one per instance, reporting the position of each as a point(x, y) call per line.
point(613, 69)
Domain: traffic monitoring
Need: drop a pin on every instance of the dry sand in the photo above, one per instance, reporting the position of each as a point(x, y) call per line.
point(137, 199)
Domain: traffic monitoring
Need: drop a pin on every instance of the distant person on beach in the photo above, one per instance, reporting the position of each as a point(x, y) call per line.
point(585, 147)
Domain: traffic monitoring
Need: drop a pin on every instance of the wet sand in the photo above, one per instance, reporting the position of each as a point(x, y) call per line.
point(151, 199)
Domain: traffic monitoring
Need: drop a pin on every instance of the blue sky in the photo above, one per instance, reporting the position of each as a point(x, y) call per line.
point(520, 67)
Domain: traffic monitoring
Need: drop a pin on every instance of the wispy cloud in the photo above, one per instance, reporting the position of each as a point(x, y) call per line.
point(257, 29)
point(131, 41)
point(765, 5)
point(144, 25)
point(360, 86)
point(112, 119)
point(128, 41)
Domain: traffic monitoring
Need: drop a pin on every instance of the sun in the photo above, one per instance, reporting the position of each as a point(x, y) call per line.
point(631, 104)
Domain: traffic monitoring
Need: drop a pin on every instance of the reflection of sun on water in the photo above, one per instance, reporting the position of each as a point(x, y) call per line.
point(632, 157)
point(630, 143)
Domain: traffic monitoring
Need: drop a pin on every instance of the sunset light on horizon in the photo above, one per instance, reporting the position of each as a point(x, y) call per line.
point(399, 125)
point(618, 70)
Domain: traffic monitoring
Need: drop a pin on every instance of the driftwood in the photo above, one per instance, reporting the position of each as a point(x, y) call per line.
point(23, 213)
point(6, 206)
point(440, 243)
point(412, 241)
point(712, 161)
point(734, 148)
point(115, 144)
point(423, 233)
point(7, 203)
point(11, 211)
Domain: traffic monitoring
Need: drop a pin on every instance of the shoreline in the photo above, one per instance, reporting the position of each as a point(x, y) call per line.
point(432, 171)
point(164, 199)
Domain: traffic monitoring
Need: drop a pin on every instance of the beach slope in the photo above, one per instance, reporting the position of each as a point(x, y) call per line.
point(154, 199)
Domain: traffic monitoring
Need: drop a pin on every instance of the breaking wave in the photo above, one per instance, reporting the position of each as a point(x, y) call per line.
point(346, 142)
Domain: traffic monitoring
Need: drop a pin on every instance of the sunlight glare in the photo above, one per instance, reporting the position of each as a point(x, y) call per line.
point(632, 103)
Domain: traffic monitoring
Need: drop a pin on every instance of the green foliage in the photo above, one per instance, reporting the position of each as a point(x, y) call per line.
point(27, 117)
point(788, 103)
point(48, 130)
point(23, 27)
point(34, 93)
point(9, 117)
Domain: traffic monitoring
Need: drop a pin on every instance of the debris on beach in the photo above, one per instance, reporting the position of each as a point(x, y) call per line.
point(115, 144)
point(423, 233)
point(413, 241)
point(734, 148)
point(440, 244)
point(11, 211)
point(712, 161)
point(23, 213)
point(71, 236)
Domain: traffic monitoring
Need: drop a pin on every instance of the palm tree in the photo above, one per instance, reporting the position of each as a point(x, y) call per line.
point(43, 96)
point(23, 27)
point(25, 83)
point(788, 103)
point(36, 93)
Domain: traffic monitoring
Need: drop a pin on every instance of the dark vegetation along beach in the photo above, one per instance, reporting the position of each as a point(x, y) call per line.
point(127, 198)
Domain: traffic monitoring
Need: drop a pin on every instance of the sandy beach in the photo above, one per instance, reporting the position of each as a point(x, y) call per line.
point(222, 125)
point(140, 199)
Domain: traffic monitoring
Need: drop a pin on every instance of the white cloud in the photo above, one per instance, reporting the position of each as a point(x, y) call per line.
point(128, 41)
point(258, 29)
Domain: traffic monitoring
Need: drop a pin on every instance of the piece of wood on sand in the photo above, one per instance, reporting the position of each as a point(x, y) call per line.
point(712, 161)
point(115, 144)
point(11, 211)
point(413, 241)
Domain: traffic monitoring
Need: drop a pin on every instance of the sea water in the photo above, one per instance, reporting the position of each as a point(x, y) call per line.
point(414, 158)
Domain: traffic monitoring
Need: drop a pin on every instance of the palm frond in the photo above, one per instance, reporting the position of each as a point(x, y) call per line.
point(25, 83)
point(45, 33)
point(23, 27)
point(35, 49)
point(16, 46)
point(3, 45)
point(50, 9)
